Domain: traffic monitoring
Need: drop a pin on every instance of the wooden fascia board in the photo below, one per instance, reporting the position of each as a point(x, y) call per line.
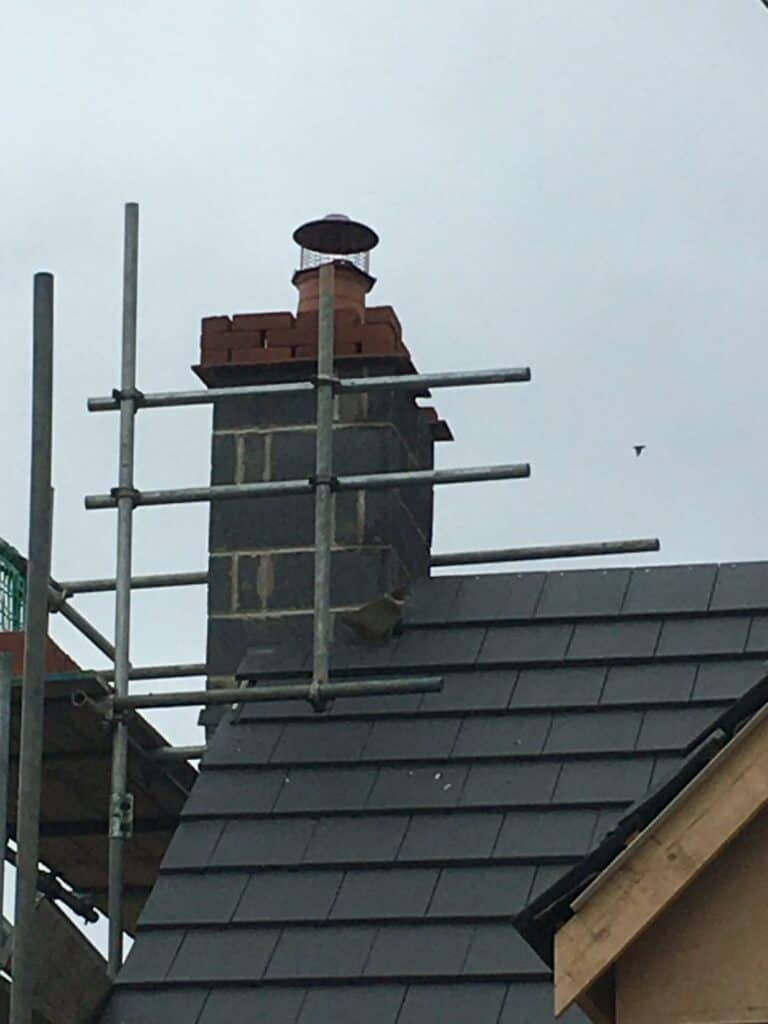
point(662, 861)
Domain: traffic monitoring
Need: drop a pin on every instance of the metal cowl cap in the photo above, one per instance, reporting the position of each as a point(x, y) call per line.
point(336, 235)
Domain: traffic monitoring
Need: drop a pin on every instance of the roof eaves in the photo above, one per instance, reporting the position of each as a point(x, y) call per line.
point(541, 919)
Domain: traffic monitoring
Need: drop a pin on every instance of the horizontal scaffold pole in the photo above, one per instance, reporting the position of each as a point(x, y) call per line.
point(168, 579)
point(113, 705)
point(521, 554)
point(531, 554)
point(406, 382)
point(283, 488)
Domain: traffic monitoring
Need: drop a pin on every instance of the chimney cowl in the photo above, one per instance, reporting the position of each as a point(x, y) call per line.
point(332, 238)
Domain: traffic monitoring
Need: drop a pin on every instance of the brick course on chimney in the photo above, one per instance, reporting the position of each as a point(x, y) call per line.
point(261, 549)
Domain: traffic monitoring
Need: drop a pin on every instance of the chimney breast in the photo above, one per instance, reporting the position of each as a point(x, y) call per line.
point(261, 556)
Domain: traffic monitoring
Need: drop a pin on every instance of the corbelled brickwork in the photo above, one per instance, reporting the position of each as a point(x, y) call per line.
point(267, 339)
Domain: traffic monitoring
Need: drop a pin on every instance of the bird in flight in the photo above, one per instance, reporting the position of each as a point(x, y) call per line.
point(640, 448)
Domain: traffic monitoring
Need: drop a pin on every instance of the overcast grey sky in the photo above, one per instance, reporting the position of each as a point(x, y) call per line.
point(578, 187)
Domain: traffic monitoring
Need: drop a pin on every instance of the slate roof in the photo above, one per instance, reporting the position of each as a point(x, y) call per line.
point(541, 919)
point(368, 864)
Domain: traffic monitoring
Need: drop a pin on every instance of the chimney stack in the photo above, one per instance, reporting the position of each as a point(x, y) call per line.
point(261, 550)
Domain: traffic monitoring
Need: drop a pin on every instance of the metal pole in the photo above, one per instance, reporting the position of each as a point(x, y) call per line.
point(119, 801)
point(159, 671)
point(281, 488)
point(165, 579)
point(109, 706)
point(607, 547)
point(323, 488)
point(58, 603)
point(164, 754)
point(407, 382)
point(416, 477)
point(25, 957)
point(6, 689)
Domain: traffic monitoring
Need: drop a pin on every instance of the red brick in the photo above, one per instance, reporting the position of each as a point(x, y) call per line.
point(250, 356)
point(261, 321)
point(379, 347)
point(384, 315)
point(243, 338)
point(216, 324)
point(306, 351)
point(429, 413)
point(216, 343)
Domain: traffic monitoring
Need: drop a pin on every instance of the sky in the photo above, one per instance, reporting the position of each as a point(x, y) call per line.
point(577, 188)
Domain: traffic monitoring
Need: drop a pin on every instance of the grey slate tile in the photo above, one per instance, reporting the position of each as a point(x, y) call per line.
point(741, 585)
point(481, 891)
point(288, 896)
point(571, 686)
point(502, 735)
point(352, 1005)
point(725, 680)
point(222, 791)
point(652, 683)
point(431, 600)
point(479, 690)
point(453, 835)
point(149, 1007)
point(321, 740)
point(670, 588)
point(672, 730)
point(758, 635)
point(225, 1005)
point(631, 639)
point(325, 789)
point(546, 876)
point(417, 739)
point(385, 892)
point(593, 732)
point(579, 592)
point(387, 704)
point(664, 768)
point(494, 597)
point(350, 652)
point(193, 843)
point(526, 643)
point(207, 898)
point(439, 785)
point(407, 951)
point(452, 1004)
point(151, 955)
point(356, 839)
point(713, 634)
point(506, 784)
point(532, 1002)
point(333, 951)
point(608, 819)
point(597, 781)
point(499, 949)
point(550, 833)
point(431, 648)
point(259, 843)
point(249, 744)
point(224, 954)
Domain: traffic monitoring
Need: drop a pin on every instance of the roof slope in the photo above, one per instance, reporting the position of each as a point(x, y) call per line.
point(368, 863)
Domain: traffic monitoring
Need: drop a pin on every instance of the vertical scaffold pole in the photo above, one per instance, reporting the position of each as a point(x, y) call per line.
point(323, 482)
point(26, 954)
point(120, 802)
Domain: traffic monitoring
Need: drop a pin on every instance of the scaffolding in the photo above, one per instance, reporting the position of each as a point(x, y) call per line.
point(12, 588)
point(45, 595)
